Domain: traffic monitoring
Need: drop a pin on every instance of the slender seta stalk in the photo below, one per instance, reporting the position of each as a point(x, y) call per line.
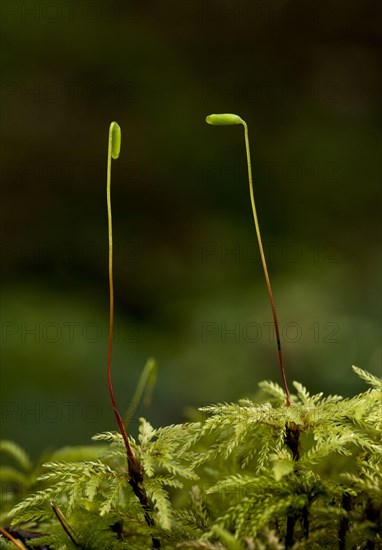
point(229, 119)
point(113, 152)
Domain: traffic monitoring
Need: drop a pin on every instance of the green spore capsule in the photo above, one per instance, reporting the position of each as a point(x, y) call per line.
point(115, 136)
point(225, 119)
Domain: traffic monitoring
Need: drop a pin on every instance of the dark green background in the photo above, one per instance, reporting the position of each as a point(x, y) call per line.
point(304, 76)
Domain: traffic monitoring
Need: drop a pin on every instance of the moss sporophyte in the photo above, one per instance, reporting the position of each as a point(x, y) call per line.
point(114, 149)
point(229, 119)
point(135, 469)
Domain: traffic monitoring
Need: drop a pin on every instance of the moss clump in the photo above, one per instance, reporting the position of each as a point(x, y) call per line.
point(253, 474)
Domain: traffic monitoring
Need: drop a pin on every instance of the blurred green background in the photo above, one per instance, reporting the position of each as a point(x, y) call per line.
point(188, 281)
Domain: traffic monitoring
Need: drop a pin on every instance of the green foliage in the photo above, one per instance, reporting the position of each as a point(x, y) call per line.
point(251, 475)
point(15, 477)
